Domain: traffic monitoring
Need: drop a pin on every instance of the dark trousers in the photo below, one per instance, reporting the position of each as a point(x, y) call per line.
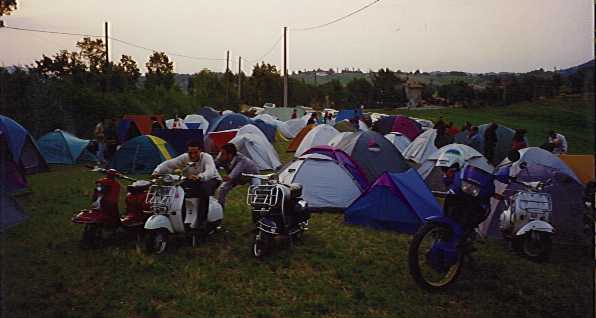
point(201, 190)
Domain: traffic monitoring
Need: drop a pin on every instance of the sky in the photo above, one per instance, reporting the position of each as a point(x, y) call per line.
point(426, 35)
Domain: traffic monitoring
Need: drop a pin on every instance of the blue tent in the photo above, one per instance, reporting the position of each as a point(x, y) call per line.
point(347, 114)
point(22, 147)
point(267, 129)
point(61, 147)
point(229, 121)
point(126, 130)
point(141, 154)
point(396, 201)
point(178, 138)
point(209, 113)
point(12, 214)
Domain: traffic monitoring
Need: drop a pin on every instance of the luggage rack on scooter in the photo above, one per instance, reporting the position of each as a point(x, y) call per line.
point(264, 196)
point(160, 197)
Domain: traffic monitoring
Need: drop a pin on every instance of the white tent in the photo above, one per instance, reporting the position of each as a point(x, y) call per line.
point(227, 111)
point(259, 149)
point(195, 121)
point(362, 126)
point(326, 184)
point(337, 138)
point(535, 155)
point(422, 147)
point(471, 156)
point(268, 119)
point(399, 140)
point(292, 127)
point(318, 136)
point(170, 124)
point(251, 129)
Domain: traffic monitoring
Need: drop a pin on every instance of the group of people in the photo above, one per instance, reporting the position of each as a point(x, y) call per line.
point(203, 179)
point(106, 140)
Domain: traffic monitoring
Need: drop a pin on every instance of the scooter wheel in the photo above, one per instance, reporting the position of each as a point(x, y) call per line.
point(537, 246)
point(156, 241)
point(260, 248)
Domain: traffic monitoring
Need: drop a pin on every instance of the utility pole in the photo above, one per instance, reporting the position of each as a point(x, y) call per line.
point(107, 49)
point(227, 61)
point(239, 79)
point(285, 67)
point(227, 80)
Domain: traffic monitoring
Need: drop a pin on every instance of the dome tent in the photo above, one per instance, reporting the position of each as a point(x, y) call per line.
point(60, 147)
point(399, 140)
point(257, 148)
point(141, 154)
point(318, 136)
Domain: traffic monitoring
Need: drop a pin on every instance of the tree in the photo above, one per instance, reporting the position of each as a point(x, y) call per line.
point(265, 85)
point(125, 74)
point(160, 71)
point(64, 65)
point(360, 92)
point(388, 87)
point(207, 89)
point(93, 53)
point(7, 7)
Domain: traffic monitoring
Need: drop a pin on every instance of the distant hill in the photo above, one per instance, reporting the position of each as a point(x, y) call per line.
point(575, 69)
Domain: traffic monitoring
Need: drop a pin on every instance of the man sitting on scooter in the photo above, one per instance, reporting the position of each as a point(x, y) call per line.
point(202, 178)
point(237, 164)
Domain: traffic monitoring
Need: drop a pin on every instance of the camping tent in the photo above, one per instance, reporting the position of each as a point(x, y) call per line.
point(342, 158)
point(268, 129)
point(214, 140)
point(60, 147)
point(407, 126)
point(399, 140)
point(267, 118)
point(434, 177)
point(12, 176)
point(373, 153)
point(144, 122)
point(194, 121)
point(295, 143)
point(337, 138)
point(347, 114)
point(12, 213)
point(126, 130)
point(396, 201)
point(259, 149)
point(141, 154)
point(284, 113)
point(542, 157)
point(344, 126)
point(318, 136)
point(23, 150)
point(504, 139)
point(566, 195)
point(178, 138)
point(208, 113)
point(326, 184)
point(228, 121)
point(251, 129)
point(582, 166)
point(292, 127)
point(170, 124)
point(422, 147)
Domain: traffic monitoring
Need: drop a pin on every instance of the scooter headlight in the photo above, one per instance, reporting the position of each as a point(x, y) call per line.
point(470, 188)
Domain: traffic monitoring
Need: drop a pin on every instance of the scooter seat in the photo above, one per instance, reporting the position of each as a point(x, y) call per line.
point(138, 186)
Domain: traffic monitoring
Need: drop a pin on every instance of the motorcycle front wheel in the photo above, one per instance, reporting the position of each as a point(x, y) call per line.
point(260, 247)
point(156, 241)
point(537, 246)
point(425, 275)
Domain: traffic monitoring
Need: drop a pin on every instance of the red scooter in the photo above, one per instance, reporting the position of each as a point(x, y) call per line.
point(103, 220)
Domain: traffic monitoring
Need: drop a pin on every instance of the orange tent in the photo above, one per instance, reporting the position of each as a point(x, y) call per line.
point(144, 122)
point(293, 146)
point(582, 165)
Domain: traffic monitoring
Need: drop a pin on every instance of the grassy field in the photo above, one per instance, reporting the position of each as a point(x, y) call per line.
point(573, 116)
point(337, 271)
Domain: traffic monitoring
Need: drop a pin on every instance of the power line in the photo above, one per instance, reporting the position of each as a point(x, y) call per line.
point(338, 19)
point(267, 53)
point(201, 58)
point(53, 32)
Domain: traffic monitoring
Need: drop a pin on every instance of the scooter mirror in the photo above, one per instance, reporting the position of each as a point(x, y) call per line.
point(513, 155)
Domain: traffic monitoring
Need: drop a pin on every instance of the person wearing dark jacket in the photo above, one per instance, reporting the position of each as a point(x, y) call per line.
point(490, 142)
point(519, 140)
point(237, 164)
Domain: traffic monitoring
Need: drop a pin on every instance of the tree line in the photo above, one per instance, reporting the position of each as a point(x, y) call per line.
point(74, 90)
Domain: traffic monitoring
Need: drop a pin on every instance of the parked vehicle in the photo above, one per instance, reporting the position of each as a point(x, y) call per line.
point(278, 212)
point(173, 212)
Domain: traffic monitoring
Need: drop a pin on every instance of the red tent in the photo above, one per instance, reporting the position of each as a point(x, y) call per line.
point(144, 122)
point(406, 126)
point(217, 139)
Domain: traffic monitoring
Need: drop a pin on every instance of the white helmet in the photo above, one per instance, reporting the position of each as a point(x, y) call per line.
point(450, 158)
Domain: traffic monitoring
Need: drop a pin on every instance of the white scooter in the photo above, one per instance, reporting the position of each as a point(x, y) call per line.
point(174, 213)
point(526, 221)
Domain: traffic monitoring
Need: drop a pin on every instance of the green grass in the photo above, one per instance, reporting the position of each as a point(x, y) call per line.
point(338, 271)
point(573, 116)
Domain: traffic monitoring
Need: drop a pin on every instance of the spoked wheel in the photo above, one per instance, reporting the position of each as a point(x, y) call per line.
point(432, 271)
point(537, 246)
point(156, 241)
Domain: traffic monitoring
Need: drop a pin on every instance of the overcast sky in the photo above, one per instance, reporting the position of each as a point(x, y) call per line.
point(430, 35)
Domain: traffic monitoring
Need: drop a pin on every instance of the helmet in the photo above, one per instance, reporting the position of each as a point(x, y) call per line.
point(451, 158)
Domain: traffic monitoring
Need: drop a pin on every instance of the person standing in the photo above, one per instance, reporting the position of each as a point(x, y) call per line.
point(201, 179)
point(237, 164)
point(101, 142)
point(490, 142)
point(558, 142)
point(519, 139)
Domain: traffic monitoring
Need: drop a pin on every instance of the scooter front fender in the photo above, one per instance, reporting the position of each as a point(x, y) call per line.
point(456, 228)
point(158, 221)
point(536, 225)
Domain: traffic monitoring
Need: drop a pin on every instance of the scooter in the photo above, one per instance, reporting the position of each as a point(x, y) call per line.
point(278, 212)
point(102, 219)
point(526, 220)
point(175, 213)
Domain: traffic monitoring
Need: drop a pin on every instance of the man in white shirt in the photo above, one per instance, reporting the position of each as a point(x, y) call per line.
point(201, 179)
point(558, 141)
